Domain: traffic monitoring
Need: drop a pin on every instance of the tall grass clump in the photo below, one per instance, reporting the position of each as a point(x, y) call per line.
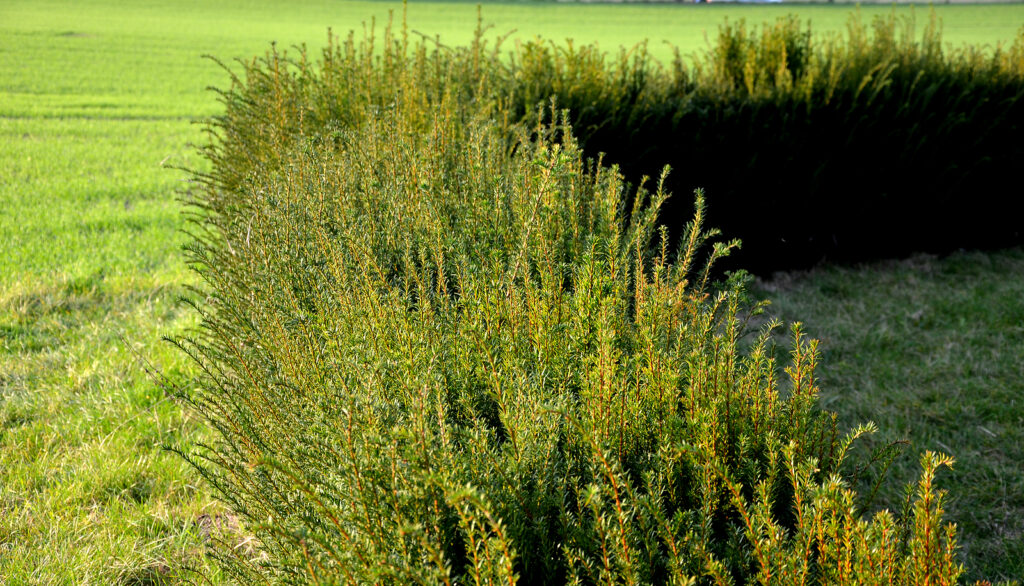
point(437, 347)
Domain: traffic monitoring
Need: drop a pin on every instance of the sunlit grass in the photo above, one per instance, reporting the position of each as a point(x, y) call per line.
point(88, 198)
point(88, 493)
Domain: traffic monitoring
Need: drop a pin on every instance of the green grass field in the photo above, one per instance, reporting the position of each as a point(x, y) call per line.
point(98, 101)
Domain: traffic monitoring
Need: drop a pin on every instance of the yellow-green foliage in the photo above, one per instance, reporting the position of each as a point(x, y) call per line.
point(437, 349)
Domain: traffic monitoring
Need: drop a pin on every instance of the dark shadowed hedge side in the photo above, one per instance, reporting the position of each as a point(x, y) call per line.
point(872, 145)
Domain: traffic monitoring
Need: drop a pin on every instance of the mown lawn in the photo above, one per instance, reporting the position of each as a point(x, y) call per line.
point(98, 101)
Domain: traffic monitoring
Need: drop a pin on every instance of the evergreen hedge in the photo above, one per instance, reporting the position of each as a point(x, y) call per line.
point(441, 346)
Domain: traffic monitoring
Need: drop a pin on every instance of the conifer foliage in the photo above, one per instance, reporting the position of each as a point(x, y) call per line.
point(439, 346)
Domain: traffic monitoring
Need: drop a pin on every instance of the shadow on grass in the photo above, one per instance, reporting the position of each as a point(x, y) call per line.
point(931, 350)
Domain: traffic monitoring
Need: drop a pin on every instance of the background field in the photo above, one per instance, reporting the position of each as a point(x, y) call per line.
point(97, 104)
